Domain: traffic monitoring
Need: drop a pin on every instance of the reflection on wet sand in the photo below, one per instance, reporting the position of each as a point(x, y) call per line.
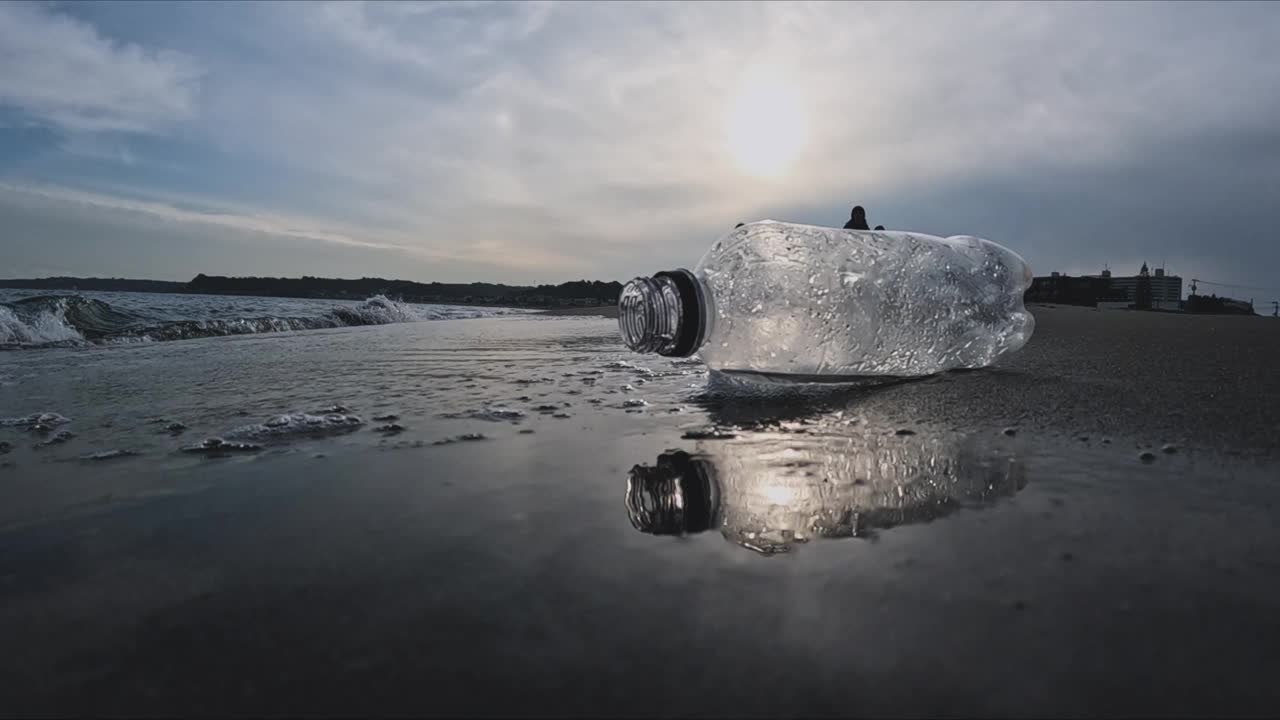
point(770, 491)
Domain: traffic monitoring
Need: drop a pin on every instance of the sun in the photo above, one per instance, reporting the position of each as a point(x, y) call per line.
point(766, 125)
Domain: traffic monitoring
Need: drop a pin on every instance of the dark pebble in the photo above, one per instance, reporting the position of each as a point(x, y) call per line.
point(1010, 431)
point(905, 431)
point(1147, 457)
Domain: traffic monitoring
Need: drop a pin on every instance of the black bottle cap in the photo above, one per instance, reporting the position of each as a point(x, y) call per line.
point(693, 322)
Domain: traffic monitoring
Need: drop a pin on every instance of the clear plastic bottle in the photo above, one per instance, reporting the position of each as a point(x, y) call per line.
point(798, 300)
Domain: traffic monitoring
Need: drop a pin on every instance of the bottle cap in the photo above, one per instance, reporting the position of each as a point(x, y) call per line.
point(664, 314)
point(693, 323)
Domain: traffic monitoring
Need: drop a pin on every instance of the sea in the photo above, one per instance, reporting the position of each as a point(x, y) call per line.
point(42, 319)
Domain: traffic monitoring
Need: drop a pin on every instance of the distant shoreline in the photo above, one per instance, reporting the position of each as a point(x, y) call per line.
point(606, 311)
point(575, 294)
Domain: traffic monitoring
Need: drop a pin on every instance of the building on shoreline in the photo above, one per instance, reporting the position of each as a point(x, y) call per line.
point(1068, 290)
point(1159, 291)
point(1165, 289)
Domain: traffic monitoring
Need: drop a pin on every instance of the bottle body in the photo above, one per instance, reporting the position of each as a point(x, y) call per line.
point(800, 300)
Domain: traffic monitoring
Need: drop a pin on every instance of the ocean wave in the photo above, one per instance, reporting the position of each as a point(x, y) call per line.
point(71, 320)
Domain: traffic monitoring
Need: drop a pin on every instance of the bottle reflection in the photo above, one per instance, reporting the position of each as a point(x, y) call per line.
point(770, 491)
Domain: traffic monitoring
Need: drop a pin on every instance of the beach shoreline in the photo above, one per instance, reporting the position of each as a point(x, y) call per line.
point(606, 311)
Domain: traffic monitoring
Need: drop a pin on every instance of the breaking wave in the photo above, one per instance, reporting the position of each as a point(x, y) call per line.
point(70, 320)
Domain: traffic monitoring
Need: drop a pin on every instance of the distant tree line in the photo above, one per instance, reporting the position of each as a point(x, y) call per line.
point(99, 284)
point(577, 291)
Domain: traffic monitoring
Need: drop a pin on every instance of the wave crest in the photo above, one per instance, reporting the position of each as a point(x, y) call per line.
point(69, 320)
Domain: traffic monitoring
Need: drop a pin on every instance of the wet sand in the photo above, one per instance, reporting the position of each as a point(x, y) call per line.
point(1162, 377)
point(985, 542)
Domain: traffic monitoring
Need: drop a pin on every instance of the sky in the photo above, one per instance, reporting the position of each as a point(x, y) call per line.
point(544, 142)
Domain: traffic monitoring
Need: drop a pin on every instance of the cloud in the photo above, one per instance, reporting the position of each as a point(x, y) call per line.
point(61, 71)
point(603, 107)
point(187, 224)
point(266, 224)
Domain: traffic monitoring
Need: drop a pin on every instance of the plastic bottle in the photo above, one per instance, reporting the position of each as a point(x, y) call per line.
point(813, 302)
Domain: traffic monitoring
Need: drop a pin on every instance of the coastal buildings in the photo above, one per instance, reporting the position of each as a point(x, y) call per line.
point(1067, 289)
point(1164, 288)
point(1156, 290)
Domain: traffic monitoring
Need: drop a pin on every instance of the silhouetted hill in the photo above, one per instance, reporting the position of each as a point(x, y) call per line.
point(575, 292)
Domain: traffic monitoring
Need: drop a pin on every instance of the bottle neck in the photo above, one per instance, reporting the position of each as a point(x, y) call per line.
point(665, 314)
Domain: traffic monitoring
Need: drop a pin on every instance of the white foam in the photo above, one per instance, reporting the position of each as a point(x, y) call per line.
point(381, 310)
point(297, 424)
point(45, 328)
point(46, 419)
point(49, 324)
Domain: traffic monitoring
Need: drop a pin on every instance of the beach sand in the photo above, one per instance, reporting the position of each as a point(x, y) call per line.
point(987, 542)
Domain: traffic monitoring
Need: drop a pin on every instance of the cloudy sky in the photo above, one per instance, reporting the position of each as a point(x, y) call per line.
point(528, 142)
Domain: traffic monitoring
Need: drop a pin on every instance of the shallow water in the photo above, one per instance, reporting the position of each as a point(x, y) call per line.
point(516, 515)
point(39, 319)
